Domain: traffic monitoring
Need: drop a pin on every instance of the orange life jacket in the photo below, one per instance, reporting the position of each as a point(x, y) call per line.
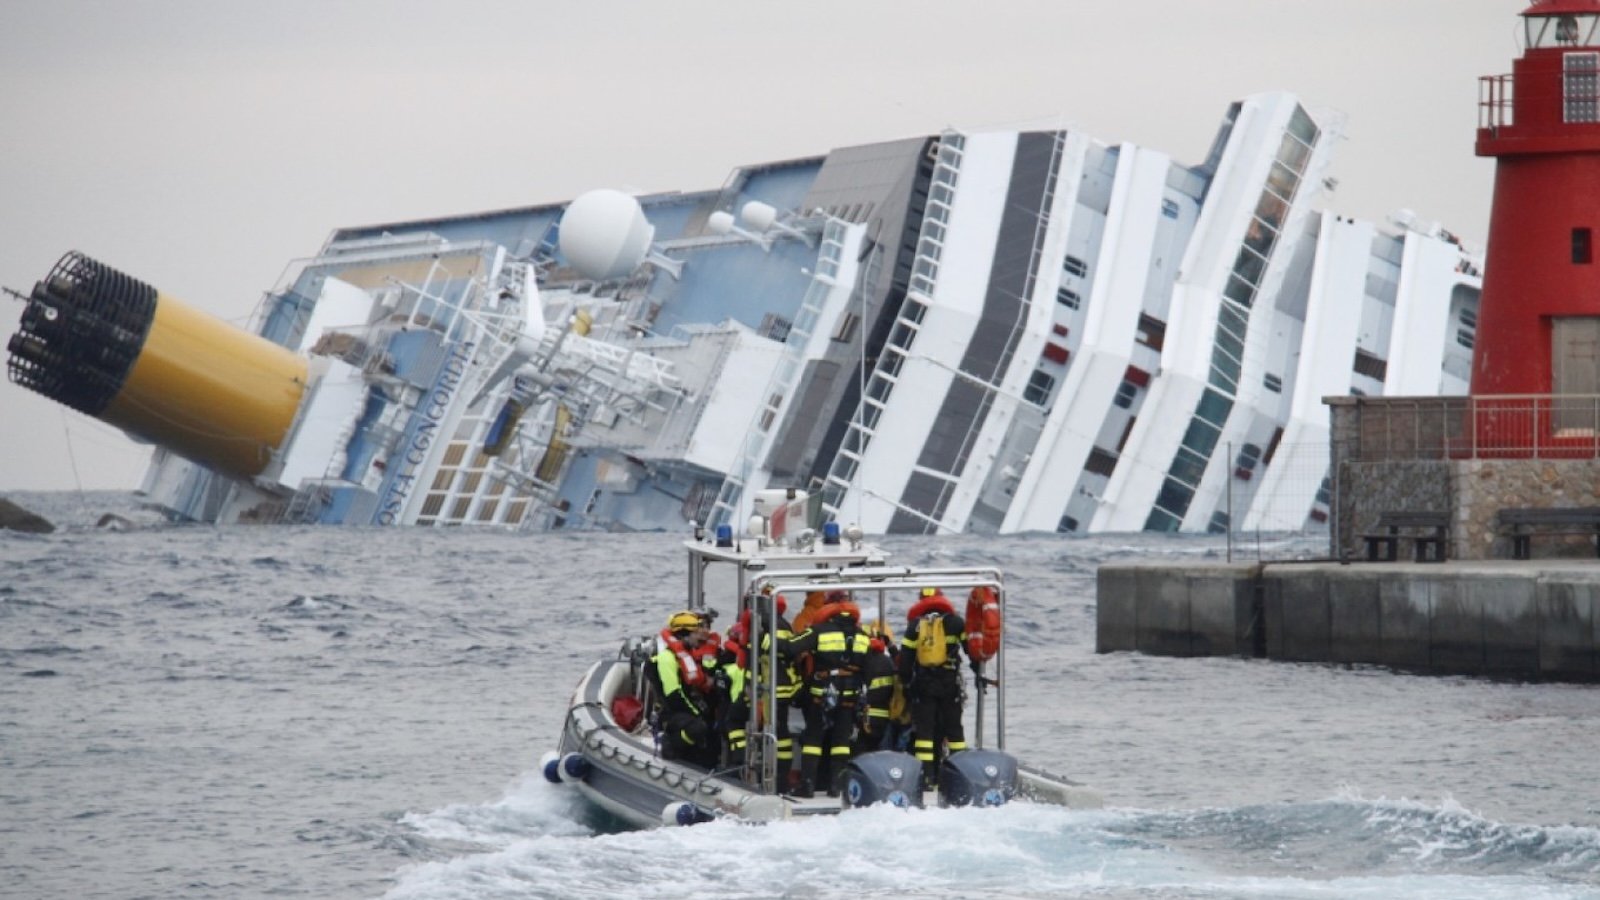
point(689, 668)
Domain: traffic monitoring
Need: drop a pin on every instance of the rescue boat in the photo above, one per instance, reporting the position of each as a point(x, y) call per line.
point(610, 748)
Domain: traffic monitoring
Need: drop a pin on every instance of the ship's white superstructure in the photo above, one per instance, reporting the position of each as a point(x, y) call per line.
point(999, 331)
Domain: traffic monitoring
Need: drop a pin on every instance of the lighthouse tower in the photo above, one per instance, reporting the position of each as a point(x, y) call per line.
point(1539, 316)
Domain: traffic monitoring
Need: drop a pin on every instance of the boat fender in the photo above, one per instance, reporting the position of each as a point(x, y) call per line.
point(550, 764)
point(763, 808)
point(574, 767)
point(682, 812)
point(983, 624)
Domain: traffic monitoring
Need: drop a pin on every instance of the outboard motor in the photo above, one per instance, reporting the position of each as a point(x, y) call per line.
point(977, 778)
point(883, 776)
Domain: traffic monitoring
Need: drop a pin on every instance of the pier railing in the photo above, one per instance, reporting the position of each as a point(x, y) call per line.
point(1501, 426)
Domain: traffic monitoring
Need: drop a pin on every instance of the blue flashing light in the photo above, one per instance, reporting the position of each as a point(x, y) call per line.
point(724, 535)
point(830, 532)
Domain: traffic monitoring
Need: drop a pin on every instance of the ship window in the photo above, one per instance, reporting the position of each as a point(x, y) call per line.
point(1464, 337)
point(1301, 126)
point(852, 443)
point(1126, 391)
point(1282, 180)
point(1370, 366)
point(1038, 389)
point(902, 335)
point(869, 415)
point(1582, 248)
point(1249, 265)
point(1100, 462)
point(1075, 266)
point(889, 364)
point(774, 327)
point(1273, 383)
point(1293, 153)
point(1067, 524)
point(1169, 209)
point(1161, 520)
point(1271, 209)
point(1172, 499)
point(1239, 291)
point(847, 327)
point(1214, 408)
point(1188, 467)
point(1259, 237)
point(1580, 87)
point(1152, 331)
point(1067, 297)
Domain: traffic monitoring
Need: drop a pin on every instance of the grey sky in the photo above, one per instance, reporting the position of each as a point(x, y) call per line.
point(202, 146)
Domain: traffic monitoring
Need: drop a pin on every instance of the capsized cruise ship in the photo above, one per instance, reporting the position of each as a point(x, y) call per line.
point(998, 332)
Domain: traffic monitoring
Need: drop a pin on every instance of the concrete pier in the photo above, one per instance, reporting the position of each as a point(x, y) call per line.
point(1533, 619)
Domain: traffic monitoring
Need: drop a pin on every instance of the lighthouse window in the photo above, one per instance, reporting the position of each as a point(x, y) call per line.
point(1582, 247)
point(1562, 31)
point(1580, 87)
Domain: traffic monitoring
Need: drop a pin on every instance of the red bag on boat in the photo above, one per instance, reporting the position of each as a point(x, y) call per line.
point(628, 712)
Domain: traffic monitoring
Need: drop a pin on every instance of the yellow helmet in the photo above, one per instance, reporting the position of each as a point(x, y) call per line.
point(687, 620)
point(929, 592)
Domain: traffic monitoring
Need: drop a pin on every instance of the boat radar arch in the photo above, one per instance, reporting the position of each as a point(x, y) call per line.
point(605, 235)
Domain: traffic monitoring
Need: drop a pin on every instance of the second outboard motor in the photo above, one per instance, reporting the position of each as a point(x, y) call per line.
point(883, 776)
point(978, 778)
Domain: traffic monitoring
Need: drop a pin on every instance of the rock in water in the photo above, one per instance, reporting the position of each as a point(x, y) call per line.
point(16, 518)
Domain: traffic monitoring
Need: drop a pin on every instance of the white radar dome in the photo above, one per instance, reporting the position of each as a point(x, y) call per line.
point(604, 234)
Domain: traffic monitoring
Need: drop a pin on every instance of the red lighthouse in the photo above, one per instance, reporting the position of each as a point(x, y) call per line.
point(1539, 316)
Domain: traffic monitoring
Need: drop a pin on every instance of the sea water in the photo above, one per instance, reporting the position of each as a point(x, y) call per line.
point(306, 712)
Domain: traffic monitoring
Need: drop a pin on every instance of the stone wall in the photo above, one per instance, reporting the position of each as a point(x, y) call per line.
point(1365, 490)
point(1483, 487)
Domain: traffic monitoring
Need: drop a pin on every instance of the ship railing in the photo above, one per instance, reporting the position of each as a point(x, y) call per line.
point(1497, 426)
